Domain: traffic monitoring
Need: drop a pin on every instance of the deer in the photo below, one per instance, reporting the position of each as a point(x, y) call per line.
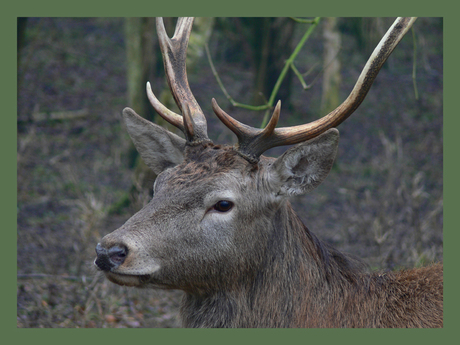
point(220, 226)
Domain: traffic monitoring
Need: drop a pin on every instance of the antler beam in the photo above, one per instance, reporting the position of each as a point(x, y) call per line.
point(174, 51)
point(252, 142)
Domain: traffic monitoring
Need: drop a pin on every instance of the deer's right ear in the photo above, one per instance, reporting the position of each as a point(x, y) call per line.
point(159, 148)
point(305, 166)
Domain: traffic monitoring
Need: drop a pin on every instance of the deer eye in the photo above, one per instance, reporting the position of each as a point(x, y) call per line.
point(223, 206)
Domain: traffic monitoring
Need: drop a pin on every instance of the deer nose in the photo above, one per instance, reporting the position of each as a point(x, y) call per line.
point(108, 259)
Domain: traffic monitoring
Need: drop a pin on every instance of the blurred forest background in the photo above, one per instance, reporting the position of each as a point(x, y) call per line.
point(79, 177)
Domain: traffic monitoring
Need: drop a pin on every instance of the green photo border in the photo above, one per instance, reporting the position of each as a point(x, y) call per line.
point(84, 8)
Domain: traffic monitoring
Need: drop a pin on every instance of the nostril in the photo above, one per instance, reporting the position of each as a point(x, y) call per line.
point(110, 258)
point(100, 250)
point(117, 254)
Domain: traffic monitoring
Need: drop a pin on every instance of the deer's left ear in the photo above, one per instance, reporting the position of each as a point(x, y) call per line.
point(305, 166)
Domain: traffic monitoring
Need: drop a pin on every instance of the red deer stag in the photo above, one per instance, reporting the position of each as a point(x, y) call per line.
point(220, 226)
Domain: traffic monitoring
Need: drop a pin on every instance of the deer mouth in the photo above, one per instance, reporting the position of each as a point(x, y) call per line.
point(127, 279)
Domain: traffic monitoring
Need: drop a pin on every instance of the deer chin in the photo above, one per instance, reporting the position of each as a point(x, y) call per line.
point(127, 279)
point(137, 277)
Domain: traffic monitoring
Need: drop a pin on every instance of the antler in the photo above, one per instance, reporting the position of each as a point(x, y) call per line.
point(174, 51)
point(252, 142)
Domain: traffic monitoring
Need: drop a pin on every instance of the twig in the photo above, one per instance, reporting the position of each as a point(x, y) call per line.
point(304, 21)
point(44, 276)
point(231, 100)
point(59, 115)
point(299, 75)
point(288, 64)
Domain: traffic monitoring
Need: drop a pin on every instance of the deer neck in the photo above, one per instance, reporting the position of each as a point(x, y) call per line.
point(295, 264)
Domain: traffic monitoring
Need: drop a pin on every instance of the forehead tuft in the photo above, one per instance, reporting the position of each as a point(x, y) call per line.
point(209, 160)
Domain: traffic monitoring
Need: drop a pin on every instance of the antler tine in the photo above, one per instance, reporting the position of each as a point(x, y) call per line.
point(174, 53)
point(253, 142)
point(164, 112)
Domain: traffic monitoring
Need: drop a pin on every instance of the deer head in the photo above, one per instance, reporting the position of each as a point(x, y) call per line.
point(220, 212)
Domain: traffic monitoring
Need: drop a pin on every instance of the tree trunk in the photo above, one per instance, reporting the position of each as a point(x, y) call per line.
point(140, 40)
point(272, 45)
point(331, 78)
point(21, 32)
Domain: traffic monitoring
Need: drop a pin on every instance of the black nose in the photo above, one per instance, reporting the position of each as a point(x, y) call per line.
point(110, 258)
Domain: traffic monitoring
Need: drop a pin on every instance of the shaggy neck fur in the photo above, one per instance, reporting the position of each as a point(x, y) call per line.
point(306, 283)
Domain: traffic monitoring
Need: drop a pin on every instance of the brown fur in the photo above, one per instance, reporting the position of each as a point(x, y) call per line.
point(309, 284)
point(269, 270)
